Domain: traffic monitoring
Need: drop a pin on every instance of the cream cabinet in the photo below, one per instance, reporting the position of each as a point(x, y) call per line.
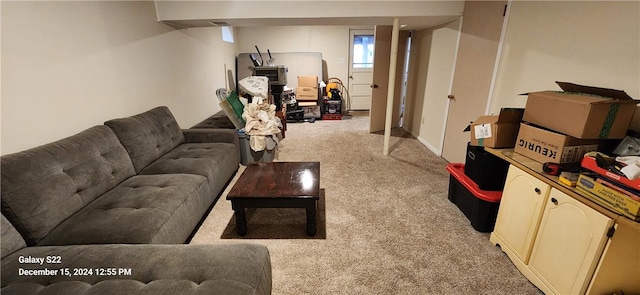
point(559, 239)
point(568, 244)
point(553, 239)
point(519, 215)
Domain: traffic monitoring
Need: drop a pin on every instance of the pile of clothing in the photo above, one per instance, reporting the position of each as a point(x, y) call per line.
point(262, 124)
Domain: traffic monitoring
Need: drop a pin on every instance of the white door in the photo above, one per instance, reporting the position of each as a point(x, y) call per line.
point(477, 50)
point(360, 69)
point(379, 92)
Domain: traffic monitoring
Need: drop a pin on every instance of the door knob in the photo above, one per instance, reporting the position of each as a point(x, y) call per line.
point(351, 77)
point(537, 190)
point(554, 201)
point(374, 86)
point(451, 96)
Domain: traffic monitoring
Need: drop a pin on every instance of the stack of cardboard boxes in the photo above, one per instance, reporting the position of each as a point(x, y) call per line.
point(563, 126)
point(307, 96)
point(560, 127)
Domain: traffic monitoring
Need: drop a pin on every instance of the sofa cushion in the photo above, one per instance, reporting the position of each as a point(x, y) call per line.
point(155, 269)
point(217, 120)
point(218, 162)
point(148, 135)
point(43, 186)
point(211, 135)
point(155, 209)
point(11, 239)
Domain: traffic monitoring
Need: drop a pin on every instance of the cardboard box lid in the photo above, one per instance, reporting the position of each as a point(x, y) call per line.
point(510, 115)
point(586, 94)
point(506, 116)
point(603, 92)
point(579, 98)
point(485, 120)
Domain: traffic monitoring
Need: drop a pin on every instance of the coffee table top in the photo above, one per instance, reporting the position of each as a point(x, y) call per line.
point(278, 180)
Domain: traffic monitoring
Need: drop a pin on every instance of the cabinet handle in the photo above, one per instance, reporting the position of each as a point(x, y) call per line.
point(537, 190)
point(554, 201)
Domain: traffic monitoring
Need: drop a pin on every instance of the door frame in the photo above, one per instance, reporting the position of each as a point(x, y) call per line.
point(496, 66)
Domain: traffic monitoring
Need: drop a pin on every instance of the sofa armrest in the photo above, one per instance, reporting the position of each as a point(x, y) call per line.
point(210, 135)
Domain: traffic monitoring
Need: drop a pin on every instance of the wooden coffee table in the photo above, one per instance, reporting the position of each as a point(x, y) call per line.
point(277, 185)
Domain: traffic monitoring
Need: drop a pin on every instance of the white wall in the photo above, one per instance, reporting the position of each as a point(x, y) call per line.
point(592, 43)
point(67, 66)
point(419, 58)
point(331, 41)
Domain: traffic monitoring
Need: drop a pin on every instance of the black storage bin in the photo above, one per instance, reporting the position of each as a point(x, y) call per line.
point(479, 206)
point(485, 169)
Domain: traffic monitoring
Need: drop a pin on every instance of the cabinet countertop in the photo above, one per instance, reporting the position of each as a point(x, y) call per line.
point(535, 169)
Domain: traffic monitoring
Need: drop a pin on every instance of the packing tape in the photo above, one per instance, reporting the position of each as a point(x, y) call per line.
point(608, 121)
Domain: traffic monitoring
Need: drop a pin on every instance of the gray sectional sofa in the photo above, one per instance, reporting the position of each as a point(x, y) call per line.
point(122, 197)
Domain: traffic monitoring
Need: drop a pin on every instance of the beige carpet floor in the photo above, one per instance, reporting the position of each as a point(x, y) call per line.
point(385, 226)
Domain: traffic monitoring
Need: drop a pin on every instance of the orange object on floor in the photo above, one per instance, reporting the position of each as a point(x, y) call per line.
point(332, 117)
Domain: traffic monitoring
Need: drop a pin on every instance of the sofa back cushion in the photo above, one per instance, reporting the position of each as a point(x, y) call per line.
point(43, 186)
point(148, 135)
point(11, 239)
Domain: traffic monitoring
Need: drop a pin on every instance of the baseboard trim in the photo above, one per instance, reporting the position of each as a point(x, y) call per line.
point(433, 149)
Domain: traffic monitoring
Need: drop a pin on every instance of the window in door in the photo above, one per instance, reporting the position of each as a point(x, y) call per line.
point(362, 52)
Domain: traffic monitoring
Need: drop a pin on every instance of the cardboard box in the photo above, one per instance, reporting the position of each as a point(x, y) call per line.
point(582, 111)
point(307, 103)
point(308, 81)
point(549, 146)
point(306, 93)
point(609, 197)
point(496, 131)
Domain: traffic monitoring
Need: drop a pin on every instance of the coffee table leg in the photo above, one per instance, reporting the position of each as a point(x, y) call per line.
point(241, 221)
point(311, 219)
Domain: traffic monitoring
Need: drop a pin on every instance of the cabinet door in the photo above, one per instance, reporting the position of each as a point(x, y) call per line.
point(520, 211)
point(568, 244)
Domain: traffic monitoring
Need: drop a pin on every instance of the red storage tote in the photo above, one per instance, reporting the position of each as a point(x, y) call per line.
point(479, 206)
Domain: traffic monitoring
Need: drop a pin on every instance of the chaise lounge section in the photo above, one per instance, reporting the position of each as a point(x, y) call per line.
point(135, 180)
point(134, 269)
